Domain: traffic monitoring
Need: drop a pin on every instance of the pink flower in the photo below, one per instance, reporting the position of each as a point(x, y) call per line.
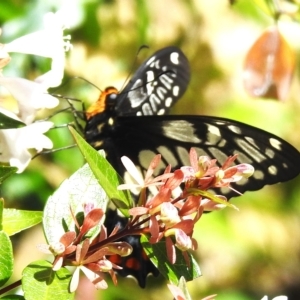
point(203, 174)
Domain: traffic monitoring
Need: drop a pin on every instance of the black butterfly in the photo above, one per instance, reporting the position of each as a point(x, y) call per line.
point(133, 123)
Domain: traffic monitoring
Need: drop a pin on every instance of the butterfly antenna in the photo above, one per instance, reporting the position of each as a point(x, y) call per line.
point(45, 152)
point(133, 65)
point(87, 81)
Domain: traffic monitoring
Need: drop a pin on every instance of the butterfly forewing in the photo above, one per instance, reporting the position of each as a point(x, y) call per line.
point(158, 83)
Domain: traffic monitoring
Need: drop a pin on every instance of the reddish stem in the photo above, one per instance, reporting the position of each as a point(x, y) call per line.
point(10, 287)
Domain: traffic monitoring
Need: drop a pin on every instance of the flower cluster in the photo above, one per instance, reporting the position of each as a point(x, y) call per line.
point(160, 216)
point(173, 218)
point(89, 256)
point(32, 96)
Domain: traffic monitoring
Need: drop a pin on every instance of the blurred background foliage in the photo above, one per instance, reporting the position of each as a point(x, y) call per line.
point(242, 255)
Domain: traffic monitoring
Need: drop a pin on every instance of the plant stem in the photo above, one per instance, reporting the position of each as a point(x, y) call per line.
point(10, 287)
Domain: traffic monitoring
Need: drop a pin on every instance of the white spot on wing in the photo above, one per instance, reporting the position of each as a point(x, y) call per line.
point(214, 130)
point(235, 129)
point(272, 170)
point(149, 85)
point(251, 150)
point(168, 102)
point(137, 95)
point(176, 90)
point(181, 131)
point(166, 80)
point(275, 144)
point(174, 58)
point(161, 92)
point(270, 153)
point(259, 175)
point(151, 59)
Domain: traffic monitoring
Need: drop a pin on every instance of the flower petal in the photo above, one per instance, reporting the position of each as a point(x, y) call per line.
point(47, 42)
point(30, 95)
point(15, 142)
point(132, 170)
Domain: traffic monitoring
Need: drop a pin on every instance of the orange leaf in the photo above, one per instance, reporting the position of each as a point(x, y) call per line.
point(269, 66)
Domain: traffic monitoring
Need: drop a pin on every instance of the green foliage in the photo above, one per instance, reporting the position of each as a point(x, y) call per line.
point(8, 123)
point(13, 297)
point(80, 190)
point(6, 258)
point(105, 174)
point(39, 281)
point(6, 253)
point(173, 272)
point(26, 219)
point(256, 243)
point(6, 171)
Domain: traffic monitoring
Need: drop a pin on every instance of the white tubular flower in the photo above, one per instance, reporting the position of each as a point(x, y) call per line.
point(31, 96)
point(14, 143)
point(49, 42)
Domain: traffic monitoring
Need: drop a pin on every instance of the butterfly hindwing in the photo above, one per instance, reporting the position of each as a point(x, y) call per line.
point(140, 139)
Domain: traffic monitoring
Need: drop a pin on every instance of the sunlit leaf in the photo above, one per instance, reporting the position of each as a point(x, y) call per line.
point(1, 212)
point(173, 272)
point(180, 292)
point(6, 171)
point(267, 6)
point(80, 190)
point(26, 219)
point(13, 297)
point(6, 258)
point(39, 281)
point(107, 177)
point(269, 66)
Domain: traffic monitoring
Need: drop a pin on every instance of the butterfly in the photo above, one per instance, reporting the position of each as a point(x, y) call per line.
point(134, 123)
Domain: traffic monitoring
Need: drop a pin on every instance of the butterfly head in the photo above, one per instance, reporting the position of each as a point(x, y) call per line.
point(105, 103)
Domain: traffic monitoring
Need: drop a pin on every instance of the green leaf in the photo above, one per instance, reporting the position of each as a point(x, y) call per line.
point(25, 219)
point(1, 212)
point(158, 255)
point(6, 258)
point(80, 190)
point(209, 195)
point(267, 6)
point(39, 281)
point(6, 171)
point(13, 297)
point(8, 123)
point(182, 285)
point(107, 177)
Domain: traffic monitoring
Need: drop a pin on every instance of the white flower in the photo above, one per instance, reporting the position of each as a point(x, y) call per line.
point(49, 42)
point(32, 95)
point(14, 143)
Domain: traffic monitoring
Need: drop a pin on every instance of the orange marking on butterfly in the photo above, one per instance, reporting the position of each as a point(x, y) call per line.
point(101, 104)
point(133, 264)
